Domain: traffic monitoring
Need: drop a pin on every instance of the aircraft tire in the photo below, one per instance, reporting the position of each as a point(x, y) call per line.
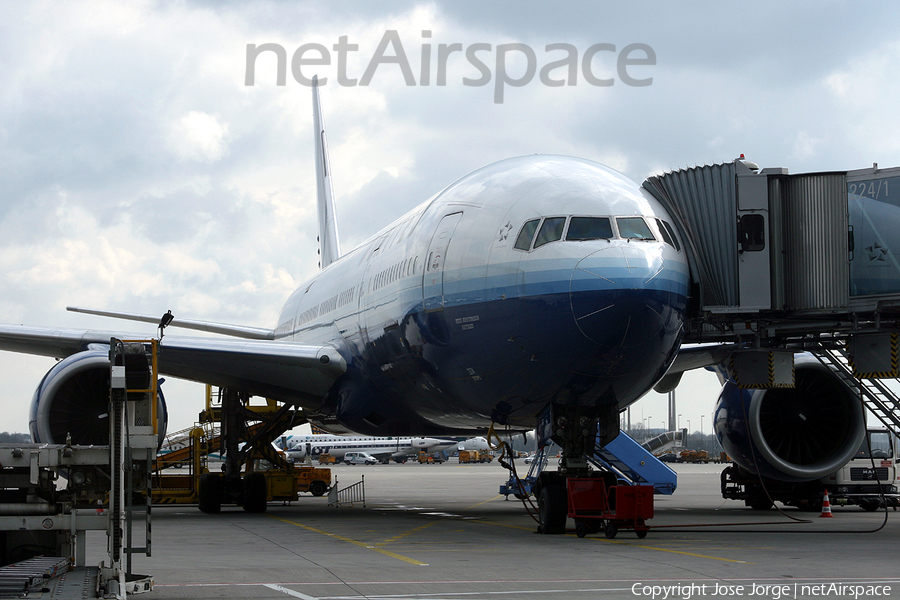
point(255, 493)
point(210, 493)
point(552, 509)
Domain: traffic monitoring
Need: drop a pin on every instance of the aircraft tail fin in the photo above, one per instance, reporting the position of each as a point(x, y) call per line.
point(329, 244)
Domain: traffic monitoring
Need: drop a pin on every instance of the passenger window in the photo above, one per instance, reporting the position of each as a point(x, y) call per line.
point(589, 228)
point(523, 242)
point(634, 228)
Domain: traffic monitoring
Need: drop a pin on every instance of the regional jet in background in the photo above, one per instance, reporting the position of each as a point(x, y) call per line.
point(385, 449)
point(533, 285)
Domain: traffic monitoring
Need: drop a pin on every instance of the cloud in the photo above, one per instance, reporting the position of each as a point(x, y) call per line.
point(140, 173)
point(199, 136)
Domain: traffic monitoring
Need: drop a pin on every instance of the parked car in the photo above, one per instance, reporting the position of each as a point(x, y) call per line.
point(669, 457)
point(359, 458)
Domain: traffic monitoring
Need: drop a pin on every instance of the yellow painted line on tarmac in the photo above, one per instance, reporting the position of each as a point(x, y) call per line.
point(497, 497)
point(657, 548)
point(719, 558)
point(365, 545)
point(403, 535)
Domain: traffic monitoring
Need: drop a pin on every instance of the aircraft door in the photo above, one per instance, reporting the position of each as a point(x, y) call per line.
point(433, 277)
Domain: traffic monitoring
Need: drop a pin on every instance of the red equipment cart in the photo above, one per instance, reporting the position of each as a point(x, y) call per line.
point(595, 507)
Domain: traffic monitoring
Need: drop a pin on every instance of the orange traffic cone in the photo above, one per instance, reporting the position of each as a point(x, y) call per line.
point(826, 506)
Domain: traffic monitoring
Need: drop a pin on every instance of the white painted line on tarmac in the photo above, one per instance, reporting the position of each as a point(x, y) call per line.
point(288, 591)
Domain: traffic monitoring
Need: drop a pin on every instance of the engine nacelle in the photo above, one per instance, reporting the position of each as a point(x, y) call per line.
point(792, 434)
point(73, 398)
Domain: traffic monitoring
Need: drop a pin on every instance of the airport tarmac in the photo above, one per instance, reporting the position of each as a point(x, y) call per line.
point(443, 532)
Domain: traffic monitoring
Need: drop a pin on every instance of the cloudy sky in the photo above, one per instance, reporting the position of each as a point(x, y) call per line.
point(140, 173)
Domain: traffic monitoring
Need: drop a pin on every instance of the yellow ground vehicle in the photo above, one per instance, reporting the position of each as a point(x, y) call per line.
point(474, 456)
point(694, 456)
point(426, 457)
point(259, 473)
point(282, 483)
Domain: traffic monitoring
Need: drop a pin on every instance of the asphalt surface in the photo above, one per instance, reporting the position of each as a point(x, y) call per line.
point(443, 531)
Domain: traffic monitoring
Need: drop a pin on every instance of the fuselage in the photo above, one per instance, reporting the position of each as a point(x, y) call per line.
point(534, 280)
point(298, 447)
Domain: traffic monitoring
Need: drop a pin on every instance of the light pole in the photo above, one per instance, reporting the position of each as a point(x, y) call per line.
point(679, 420)
point(648, 427)
point(701, 430)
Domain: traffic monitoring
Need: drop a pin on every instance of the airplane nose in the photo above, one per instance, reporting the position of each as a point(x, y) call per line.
point(615, 299)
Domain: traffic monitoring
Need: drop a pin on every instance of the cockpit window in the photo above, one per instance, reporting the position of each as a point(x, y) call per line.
point(674, 237)
point(667, 237)
point(634, 228)
point(589, 228)
point(551, 231)
point(523, 242)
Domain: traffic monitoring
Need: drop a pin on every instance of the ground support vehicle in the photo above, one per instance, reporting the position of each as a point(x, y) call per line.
point(524, 487)
point(430, 457)
point(693, 456)
point(595, 506)
point(867, 481)
point(327, 459)
point(359, 458)
point(474, 456)
point(282, 482)
point(254, 471)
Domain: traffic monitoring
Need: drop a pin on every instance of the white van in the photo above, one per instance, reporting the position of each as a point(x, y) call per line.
point(359, 458)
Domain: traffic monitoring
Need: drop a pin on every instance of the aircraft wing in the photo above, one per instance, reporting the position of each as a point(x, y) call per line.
point(275, 369)
point(253, 333)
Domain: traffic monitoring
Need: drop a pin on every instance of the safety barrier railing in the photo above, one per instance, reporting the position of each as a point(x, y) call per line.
point(349, 496)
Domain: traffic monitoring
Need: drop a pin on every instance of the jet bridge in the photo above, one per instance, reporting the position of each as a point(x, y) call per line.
point(782, 263)
point(766, 244)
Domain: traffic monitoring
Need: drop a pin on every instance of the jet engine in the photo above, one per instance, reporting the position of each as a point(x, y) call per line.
point(73, 399)
point(792, 434)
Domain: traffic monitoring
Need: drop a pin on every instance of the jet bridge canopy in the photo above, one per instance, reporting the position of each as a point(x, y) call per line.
point(764, 244)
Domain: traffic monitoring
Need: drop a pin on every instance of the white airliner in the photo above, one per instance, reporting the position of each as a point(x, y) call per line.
point(298, 447)
point(535, 290)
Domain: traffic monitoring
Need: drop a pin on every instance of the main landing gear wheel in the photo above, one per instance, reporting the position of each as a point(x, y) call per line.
point(552, 509)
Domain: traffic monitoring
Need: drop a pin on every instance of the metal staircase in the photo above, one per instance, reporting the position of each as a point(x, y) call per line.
point(881, 401)
point(633, 462)
point(665, 442)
